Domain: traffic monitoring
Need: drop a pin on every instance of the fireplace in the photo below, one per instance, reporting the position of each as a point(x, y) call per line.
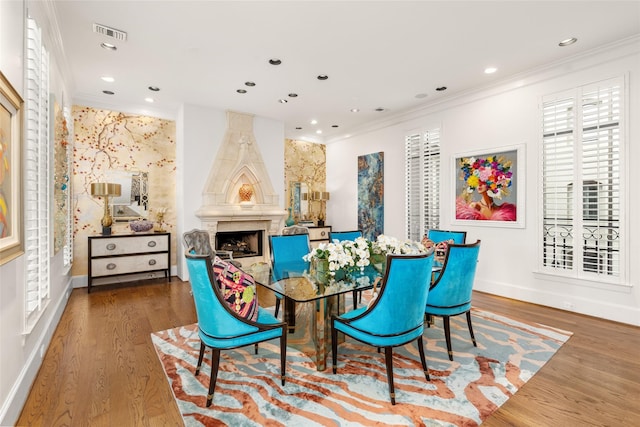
point(243, 244)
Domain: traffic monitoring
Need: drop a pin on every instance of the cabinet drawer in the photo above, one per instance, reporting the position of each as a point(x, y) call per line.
point(319, 233)
point(129, 245)
point(128, 264)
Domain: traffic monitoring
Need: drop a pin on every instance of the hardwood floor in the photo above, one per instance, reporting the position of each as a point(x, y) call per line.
point(101, 368)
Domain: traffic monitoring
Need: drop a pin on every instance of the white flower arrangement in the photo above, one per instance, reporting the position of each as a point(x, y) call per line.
point(385, 245)
point(346, 255)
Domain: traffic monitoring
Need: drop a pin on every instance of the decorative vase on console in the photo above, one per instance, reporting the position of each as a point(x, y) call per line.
point(290, 221)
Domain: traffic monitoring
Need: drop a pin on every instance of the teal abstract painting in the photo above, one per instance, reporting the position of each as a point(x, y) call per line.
point(371, 195)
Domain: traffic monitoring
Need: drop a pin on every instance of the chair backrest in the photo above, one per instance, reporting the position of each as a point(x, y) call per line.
point(344, 235)
point(454, 285)
point(459, 237)
point(403, 295)
point(291, 248)
point(215, 319)
point(199, 240)
point(294, 229)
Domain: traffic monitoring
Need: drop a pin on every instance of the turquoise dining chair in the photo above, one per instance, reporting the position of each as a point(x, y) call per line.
point(341, 236)
point(450, 294)
point(438, 236)
point(286, 256)
point(396, 316)
point(220, 328)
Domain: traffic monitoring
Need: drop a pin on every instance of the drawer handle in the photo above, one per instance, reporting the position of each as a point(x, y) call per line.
point(152, 244)
point(111, 246)
point(111, 266)
point(152, 262)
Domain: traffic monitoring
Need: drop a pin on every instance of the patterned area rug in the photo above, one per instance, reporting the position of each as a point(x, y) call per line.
point(461, 393)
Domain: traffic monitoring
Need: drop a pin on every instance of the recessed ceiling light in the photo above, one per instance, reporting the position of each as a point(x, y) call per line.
point(323, 77)
point(567, 42)
point(154, 88)
point(108, 92)
point(108, 79)
point(250, 84)
point(275, 61)
point(282, 101)
point(241, 91)
point(313, 122)
point(150, 100)
point(441, 88)
point(490, 70)
point(379, 109)
point(421, 95)
point(108, 46)
point(318, 131)
point(293, 95)
point(354, 110)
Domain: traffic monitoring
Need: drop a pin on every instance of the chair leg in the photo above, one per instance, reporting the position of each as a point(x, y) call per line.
point(473, 338)
point(283, 354)
point(277, 306)
point(202, 347)
point(447, 335)
point(215, 363)
point(422, 358)
point(334, 346)
point(388, 358)
point(256, 346)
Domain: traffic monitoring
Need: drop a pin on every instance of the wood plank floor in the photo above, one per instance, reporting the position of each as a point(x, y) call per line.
point(101, 368)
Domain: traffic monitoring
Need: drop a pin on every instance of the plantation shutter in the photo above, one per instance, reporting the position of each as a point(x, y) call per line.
point(36, 176)
point(581, 144)
point(422, 169)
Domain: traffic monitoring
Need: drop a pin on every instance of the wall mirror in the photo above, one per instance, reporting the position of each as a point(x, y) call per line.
point(133, 202)
point(300, 200)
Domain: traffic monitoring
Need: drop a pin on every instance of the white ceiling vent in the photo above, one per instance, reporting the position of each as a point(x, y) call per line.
point(109, 32)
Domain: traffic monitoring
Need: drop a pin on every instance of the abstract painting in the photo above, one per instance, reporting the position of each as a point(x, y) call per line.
point(371, 195)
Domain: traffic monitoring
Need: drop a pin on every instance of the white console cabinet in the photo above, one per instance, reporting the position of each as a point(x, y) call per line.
point(128, 254)
point(319, 234)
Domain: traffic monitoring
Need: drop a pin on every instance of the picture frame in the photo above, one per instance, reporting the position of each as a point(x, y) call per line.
point(11, 227)
point(489, 187)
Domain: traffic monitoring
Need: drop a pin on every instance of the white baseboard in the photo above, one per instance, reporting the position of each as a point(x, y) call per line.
point(12, 407)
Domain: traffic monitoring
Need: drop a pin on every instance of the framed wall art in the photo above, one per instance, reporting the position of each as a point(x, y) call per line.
point(489, 187)
point(11, 240)
point(371, 195)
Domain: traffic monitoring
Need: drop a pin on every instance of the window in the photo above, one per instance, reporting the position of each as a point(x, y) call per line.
point(37, 178)
point(582, 182)
point(422, 155)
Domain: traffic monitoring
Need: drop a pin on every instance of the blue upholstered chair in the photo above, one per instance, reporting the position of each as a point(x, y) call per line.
point(396, 317)
point(341, 236)
point(344, 235)
point(220, 328)
point(438, 236)
point(450, 294)
point(286, 255)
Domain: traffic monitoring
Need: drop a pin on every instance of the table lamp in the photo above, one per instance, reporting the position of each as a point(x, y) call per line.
point(322, 197)
point(104, 189)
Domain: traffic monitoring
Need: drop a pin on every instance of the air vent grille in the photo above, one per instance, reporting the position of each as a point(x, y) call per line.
point(109, 32)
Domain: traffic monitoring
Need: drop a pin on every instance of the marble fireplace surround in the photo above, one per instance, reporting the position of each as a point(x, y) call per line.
point(239, 162)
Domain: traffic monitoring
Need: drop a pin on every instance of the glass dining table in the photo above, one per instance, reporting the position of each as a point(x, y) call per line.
point(296, 284)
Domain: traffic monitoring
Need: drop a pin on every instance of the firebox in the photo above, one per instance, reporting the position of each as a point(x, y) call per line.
point(241, 243)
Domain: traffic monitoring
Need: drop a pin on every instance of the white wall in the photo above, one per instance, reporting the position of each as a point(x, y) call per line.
point(495, 117)
point(21, 354)
point(200, 134)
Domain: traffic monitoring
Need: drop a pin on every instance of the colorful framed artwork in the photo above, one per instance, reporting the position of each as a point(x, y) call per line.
point(371, 195)
point(489, 187)
point(11, 240)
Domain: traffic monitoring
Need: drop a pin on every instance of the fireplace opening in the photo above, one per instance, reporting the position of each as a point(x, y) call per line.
point(242, 243)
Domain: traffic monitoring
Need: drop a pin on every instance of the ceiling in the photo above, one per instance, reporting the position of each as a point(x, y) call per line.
point(389, 55)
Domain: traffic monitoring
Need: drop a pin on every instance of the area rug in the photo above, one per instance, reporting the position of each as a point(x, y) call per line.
point(463, 392)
